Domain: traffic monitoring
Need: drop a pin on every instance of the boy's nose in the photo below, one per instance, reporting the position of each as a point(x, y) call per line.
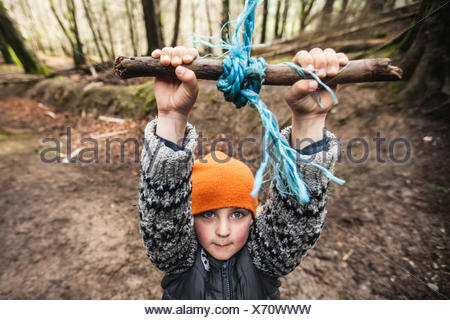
point(223, 228)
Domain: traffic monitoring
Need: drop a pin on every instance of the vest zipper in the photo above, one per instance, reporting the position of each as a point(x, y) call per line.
point(226, 275)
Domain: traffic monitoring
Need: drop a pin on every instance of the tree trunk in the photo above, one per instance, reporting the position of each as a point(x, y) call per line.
point(264, 22)
point(94, 33)
point(424, 48)
point(79, 57)
point(194, 19)
point(225, 25)
point(130, 28)
point(13, 38)
point(134, 23)
point(99, 31)
point(277, 20)
point(4, 49)
point(285, 14)
point(306, 6)
point(342, 12)
point(65, 31)
point(372, 8)
point(33, 25)
point(152, 25)
point(325, 18)
point(208, 16)
point(176, 27)
point(108, 29)
point(159, 16)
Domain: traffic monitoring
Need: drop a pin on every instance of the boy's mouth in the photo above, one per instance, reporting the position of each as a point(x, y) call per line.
point(221, 245)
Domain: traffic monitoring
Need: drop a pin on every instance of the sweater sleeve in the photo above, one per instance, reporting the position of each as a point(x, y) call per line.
point(166, 223)
point(285, 230)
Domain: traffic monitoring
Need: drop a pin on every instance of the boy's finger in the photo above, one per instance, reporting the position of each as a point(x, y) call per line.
point(189, 87)
point(166, 56)
point(320, 62)
point(187, 77)
point(177, 54)
point(304, 59)
point(342, 58)
point(332, 62)
point(190, 55)
point(300, 89)
point(156, 53)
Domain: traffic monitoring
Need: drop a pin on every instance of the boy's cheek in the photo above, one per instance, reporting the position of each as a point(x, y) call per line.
point(202, 234)
point(241, 236)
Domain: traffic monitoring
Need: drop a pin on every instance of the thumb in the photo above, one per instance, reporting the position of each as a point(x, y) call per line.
point(188, 78)
point(187, 92)
point(300, 89)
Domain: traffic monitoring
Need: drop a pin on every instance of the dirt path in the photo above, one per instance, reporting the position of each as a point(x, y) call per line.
point(70, 231)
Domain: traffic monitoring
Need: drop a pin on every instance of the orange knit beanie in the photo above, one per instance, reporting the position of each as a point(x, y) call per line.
point(219, 181)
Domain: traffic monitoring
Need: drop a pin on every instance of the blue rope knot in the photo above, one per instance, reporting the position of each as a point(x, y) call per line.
point(241, 82)
point(239, 74)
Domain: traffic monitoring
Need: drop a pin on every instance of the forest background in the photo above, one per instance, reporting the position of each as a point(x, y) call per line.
point(68, 215)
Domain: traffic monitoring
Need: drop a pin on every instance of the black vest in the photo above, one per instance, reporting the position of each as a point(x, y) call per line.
point(235, 278)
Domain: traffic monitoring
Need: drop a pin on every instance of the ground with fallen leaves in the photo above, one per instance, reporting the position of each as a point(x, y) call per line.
point(70, 230)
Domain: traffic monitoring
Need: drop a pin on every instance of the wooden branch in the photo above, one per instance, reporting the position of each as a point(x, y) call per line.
point(365, 70)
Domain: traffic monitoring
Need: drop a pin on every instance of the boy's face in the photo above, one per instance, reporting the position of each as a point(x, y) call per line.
point(223, 232)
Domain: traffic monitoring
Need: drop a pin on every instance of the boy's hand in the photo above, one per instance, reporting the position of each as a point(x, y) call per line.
point(325, 63)
point(175, 98)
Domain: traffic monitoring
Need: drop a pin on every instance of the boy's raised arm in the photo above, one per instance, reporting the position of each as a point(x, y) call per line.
point(166, 222)
point(286, 229)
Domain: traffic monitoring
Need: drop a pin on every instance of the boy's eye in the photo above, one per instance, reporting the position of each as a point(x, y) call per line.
point(238, 214)
point(208, 214)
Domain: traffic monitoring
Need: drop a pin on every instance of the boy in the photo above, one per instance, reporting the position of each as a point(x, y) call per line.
point(198, 221)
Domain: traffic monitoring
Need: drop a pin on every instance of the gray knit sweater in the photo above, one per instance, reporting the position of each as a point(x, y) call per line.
point(283, 231)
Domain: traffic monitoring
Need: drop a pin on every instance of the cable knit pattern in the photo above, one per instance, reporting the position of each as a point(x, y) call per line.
point(285, 230)
point(166, 223)
point(280, 236)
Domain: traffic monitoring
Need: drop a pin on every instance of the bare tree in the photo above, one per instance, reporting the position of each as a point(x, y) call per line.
point(99, 32)
point(71, 32)
point(225, 12)
point(264, 22)
point(372, 7)
point(159, 16)
point(276, 34)
point(93, 31)
point(133, 10)
point(32, 25)
point(112, 54)
point(208, 16)
point(176, 27)
point(325, 16)
point(343, 10)
point(152, 26)
point(305, 11)
point(194, 19)
point(285, 14)
point(72, 15)
point(131, 28)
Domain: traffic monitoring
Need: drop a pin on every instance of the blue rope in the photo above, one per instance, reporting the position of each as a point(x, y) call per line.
point(241, 82)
